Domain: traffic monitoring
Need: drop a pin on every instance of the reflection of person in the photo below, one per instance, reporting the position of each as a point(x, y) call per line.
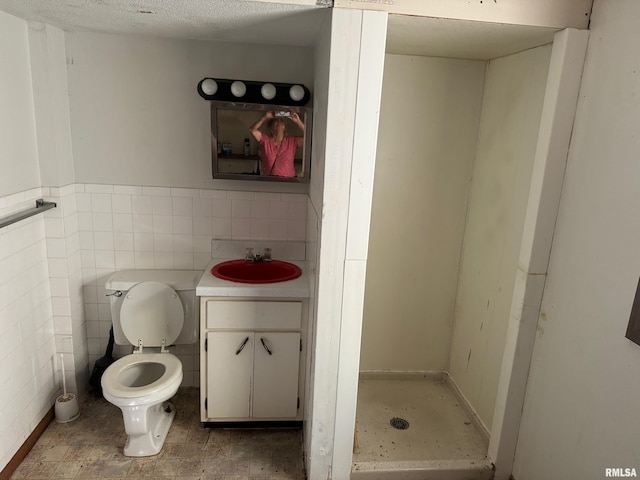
point(277, 149)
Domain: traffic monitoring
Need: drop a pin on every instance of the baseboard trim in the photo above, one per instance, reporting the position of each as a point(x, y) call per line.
point(435, 376)
point(26, 447)
point(475, 418)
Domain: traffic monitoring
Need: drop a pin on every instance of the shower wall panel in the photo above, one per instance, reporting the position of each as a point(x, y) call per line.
point(512, 105)
point(426, 142)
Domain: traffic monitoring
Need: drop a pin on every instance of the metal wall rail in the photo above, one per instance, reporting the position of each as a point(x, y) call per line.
point(41, 206)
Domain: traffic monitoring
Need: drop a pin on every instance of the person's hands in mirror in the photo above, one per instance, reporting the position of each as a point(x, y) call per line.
point(295, 118)
point(255, 128)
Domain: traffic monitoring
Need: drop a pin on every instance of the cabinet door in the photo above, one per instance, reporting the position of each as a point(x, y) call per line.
point(229, 372)
point(275, 381)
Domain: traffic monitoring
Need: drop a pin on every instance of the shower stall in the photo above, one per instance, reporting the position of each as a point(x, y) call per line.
point(462, 162)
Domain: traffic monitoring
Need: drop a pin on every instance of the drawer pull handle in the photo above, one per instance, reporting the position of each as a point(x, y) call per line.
point(242, 345)
point(264, 344)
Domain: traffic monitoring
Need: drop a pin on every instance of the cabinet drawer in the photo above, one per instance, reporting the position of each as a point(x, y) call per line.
point(254, 315)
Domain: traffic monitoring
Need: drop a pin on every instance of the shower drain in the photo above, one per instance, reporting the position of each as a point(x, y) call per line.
point(399, 423)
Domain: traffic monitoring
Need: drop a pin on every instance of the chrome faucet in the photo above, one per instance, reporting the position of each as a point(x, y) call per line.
point(265, 256)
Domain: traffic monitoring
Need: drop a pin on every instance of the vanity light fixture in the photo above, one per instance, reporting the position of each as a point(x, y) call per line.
point(209, 86)
point(296, 93)
point(270, 93)
point(238, 89)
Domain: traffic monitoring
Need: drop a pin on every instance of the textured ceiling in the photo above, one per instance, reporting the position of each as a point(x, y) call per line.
point(221, 20)
point(270, 22)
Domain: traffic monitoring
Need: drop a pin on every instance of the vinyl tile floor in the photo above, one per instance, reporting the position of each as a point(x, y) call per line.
point(91, 448)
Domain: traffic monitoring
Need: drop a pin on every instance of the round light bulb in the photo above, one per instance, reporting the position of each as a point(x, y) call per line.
point(209, 86)
point(296, 93)
point(268, 91)
point(238, 88)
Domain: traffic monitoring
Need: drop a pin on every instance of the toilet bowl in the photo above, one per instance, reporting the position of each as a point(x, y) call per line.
point(140, 384)
point(151, 317)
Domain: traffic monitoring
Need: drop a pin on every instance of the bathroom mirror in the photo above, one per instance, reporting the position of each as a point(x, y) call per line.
point(235, 153)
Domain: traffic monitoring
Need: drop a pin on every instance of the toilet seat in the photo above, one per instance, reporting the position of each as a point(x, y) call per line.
point(170, 379)
point(151, 314)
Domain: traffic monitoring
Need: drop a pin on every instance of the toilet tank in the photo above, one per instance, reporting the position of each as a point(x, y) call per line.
point(182, 281)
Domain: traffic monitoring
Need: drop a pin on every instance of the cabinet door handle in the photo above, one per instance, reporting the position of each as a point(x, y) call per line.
point(242, 345)
point(264, 344)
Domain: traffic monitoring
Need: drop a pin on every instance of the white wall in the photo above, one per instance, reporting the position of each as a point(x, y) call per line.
point(426, 144)
point(342, 200)
point(580, 413)
point(51, 108)
point(512, 105)
point(363, 155)
point(316, 456)
point(18, 148)
point(136, 116)
point(51, 99)
point(27, 344)
point(336, 57)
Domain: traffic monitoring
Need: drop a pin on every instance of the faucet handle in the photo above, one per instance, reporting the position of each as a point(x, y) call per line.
point(249, 256)
point(266, 254)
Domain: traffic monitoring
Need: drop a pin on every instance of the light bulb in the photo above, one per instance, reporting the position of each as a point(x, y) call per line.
point(296, 93)
point(238, 88)
point(268, 91)
point(209, 86)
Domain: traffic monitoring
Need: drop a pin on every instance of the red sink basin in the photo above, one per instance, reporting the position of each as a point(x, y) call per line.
point(242, 271)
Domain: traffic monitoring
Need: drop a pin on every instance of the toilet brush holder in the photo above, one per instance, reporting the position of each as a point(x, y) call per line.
point(66, 408)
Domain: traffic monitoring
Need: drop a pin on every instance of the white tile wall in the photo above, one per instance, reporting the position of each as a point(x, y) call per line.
point(133, 227)
point(27, 339)
point(66, 287)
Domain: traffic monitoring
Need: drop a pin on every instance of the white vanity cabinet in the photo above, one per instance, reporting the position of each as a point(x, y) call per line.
point(251, 359)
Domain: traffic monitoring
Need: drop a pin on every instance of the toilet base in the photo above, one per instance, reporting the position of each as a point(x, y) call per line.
point(150, 443)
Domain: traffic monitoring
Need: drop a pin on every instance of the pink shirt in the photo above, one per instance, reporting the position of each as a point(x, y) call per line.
point(278, 160)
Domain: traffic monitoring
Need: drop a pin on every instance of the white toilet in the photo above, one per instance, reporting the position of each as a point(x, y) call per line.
point(151, 310)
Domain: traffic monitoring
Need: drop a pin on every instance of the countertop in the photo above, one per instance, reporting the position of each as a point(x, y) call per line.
point(210, 286)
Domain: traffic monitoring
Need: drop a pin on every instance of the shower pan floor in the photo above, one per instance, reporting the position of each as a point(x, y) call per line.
point(441, 438)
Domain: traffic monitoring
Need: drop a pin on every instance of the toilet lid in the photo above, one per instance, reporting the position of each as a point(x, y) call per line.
point(151, 312)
